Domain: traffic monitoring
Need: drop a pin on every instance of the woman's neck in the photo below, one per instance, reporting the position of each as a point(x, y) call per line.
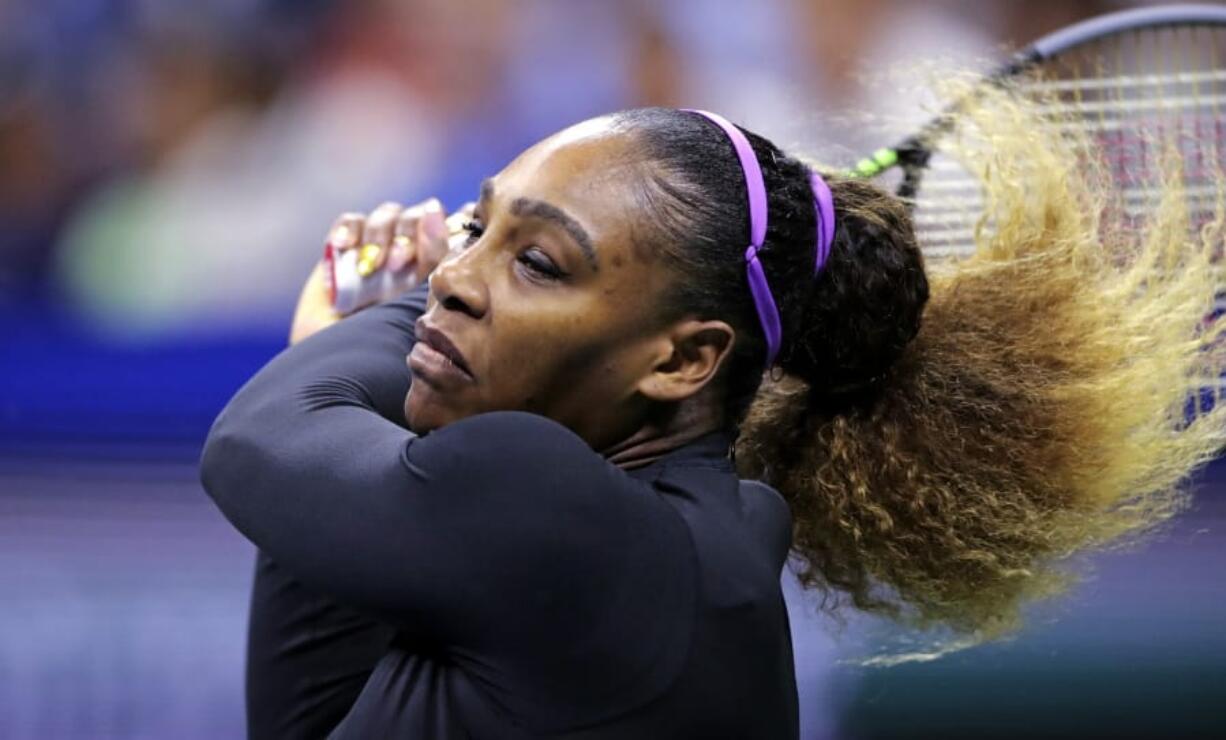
point(658, 437)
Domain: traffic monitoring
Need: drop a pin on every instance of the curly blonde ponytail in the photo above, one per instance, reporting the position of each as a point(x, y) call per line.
point(1040, 410)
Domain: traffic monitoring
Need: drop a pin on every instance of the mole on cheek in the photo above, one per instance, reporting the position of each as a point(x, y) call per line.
point(617, 260)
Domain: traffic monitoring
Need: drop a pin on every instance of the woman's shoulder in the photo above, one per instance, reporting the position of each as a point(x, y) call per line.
point(768, 519)
point(741, 529)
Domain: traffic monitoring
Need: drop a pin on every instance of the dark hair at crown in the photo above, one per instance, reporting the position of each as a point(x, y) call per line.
point(844, 327)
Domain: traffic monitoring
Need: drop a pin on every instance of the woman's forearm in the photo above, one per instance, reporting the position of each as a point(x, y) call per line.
point(300, 422)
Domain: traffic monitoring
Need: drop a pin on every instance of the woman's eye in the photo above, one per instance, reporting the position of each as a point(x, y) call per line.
point(474, 231)
point(540, 264)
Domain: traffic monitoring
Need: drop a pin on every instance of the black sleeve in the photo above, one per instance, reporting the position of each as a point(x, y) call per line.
point(502, 534)
point(308, 657)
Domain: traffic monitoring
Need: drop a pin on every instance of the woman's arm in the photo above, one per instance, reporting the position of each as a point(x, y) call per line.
point(308, 656)
point(484, 533)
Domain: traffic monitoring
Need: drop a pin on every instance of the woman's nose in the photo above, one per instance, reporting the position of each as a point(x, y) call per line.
point(458, 286)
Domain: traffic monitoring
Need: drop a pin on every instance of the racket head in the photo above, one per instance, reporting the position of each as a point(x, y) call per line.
point(1133, 86)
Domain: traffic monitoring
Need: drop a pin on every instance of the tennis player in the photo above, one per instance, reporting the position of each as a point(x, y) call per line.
point(510, 507)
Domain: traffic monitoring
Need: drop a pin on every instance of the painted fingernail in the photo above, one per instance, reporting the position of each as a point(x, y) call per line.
point(398, 255)
point(342, 236)
point(367, 259)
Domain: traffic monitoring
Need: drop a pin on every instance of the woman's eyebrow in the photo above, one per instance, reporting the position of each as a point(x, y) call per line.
point(529, 208)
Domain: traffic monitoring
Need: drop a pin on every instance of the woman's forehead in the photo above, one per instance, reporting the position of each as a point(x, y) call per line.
point(582, 167)
point(584, 131)
point(587, 172)
point(580, 150)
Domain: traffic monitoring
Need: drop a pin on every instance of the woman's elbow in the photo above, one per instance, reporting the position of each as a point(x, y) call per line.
point(226, 454)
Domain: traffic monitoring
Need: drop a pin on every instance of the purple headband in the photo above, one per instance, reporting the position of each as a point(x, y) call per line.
point(768, 312)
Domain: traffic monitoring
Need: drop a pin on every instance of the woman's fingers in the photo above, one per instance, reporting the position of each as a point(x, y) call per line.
point(399, 238)
point(346, 230)
point(431, 238)
point(404, 244)
point(377, 237)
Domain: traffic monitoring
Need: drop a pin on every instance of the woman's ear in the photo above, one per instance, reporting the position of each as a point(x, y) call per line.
point(691, 355)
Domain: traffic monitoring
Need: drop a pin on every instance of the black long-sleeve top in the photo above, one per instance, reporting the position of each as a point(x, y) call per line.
point(531, 587)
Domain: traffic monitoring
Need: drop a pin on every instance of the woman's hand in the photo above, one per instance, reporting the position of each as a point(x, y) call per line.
point(392, 237)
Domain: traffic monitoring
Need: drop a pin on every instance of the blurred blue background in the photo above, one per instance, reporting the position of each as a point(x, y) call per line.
point(168, 169)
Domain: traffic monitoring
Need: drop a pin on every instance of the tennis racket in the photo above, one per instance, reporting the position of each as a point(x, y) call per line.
point(1125, 80)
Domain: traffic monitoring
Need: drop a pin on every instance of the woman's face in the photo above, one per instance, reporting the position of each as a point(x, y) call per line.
point(549, 306)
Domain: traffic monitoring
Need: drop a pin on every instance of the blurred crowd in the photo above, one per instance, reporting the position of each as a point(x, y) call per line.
point(169, 167)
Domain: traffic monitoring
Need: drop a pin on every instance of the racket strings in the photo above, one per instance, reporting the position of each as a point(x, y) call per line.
point(1140, 99)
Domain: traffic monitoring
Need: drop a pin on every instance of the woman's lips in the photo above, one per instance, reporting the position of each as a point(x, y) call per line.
point(441, 343)
point(436, 359)
point(436, 368)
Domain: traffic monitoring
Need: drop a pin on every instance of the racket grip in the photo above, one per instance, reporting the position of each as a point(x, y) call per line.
point(351, 292)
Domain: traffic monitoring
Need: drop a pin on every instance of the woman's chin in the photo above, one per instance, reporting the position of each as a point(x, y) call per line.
point(424, 412)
